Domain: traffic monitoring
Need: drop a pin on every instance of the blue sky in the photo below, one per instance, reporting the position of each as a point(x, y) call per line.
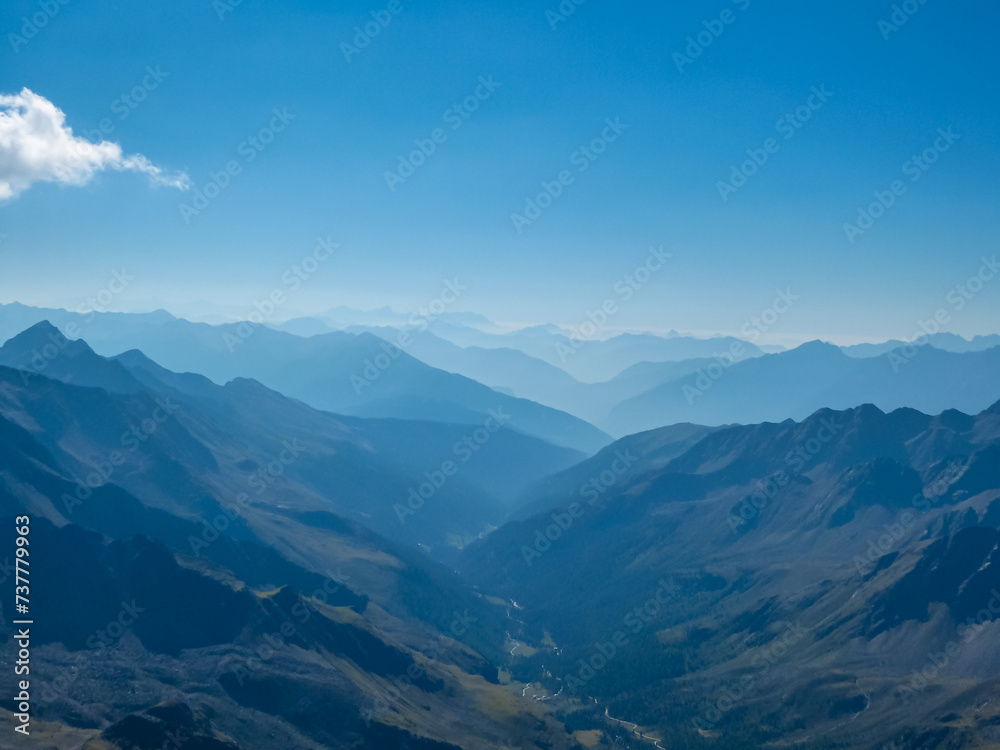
point(324, 174)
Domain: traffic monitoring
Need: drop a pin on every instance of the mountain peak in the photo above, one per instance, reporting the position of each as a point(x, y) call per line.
point(546, 329)
point(868, 411)
point(136, 358)
point(813, 351)
point(41, 341)
point(817, 345)
point(44, 350)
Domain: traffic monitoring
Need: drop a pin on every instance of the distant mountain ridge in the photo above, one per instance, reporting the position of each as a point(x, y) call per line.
point(948, 342)
point(844, 552)
point(647, 578)
point(246, 639)
point(796, 383)
point(340, 372)
point(381, 462)
point(385, 372)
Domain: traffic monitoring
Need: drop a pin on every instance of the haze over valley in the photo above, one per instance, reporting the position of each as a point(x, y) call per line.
point(523, 375)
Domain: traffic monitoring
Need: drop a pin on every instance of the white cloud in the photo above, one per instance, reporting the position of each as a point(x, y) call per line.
point(37, 146)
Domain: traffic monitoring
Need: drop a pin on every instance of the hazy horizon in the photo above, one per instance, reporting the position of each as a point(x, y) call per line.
point(536, 374)
point(424, 167)
point(218, 314)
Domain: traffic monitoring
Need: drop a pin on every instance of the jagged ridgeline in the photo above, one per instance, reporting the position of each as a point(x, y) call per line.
point(236, 568)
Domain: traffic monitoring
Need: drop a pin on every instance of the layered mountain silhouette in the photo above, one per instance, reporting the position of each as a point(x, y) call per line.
point(352, 375)
point(374, 471)
point(177, 600)
point(949, 342)
point(457, 374)
point(846, 552)
point(592, 360)
point(795, 383)
point(805, 554)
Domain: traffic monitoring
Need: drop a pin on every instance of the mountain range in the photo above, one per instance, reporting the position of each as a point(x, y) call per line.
point(418, 374)
point(216, 526)
point(831, 582)
point(244, 565)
